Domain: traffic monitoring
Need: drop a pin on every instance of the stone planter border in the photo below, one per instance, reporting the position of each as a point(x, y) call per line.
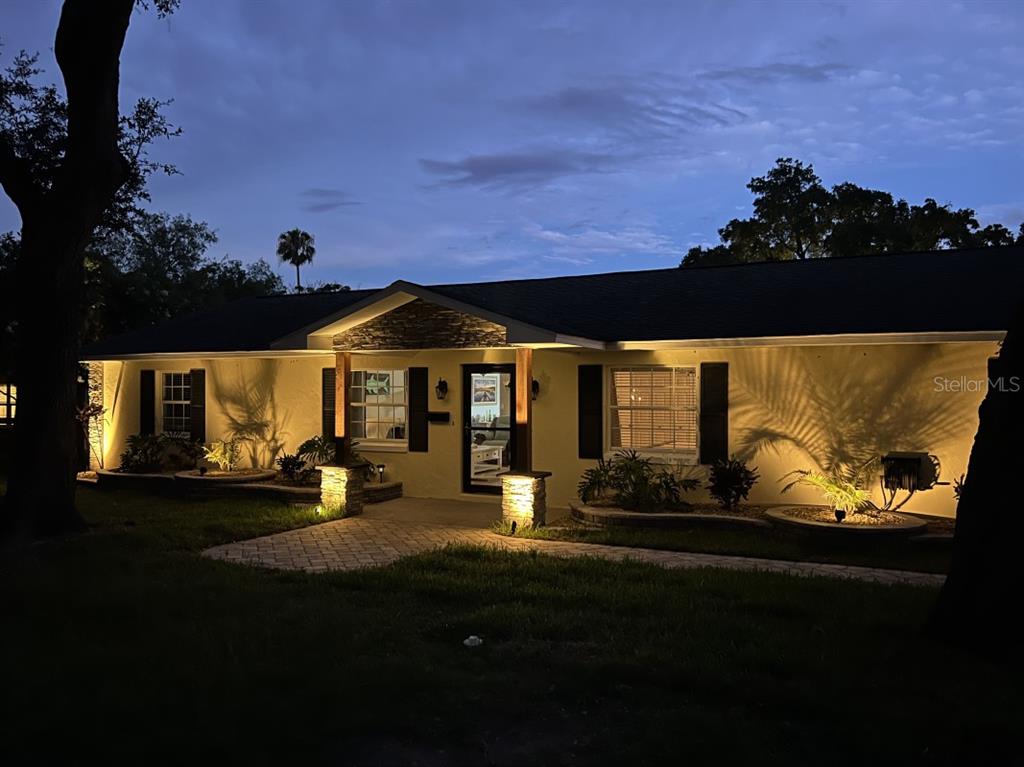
point(667, 520)
point(186, 485)
point(911, 527)
point(225, 479)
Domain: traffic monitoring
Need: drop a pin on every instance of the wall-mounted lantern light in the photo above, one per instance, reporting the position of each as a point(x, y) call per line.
point(380, 473)
point(535, 388)
point(441, 390)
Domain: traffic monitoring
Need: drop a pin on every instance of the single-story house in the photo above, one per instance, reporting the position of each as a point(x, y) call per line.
point(825, 363)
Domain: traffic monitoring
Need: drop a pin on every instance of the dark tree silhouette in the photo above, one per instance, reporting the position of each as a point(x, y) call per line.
point(977, 607)
point(61, 200)
point(796, 217)
point(296, 247)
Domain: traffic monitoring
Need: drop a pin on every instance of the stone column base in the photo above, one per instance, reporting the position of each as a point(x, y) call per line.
point(524, 498)
point(341, 490)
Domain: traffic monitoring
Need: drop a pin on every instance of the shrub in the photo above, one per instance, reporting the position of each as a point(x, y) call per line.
point(595, 482)
point(730, 481)
point(224, 454)
point(840, 494)
point(294, 468)
point(317, 450)
point(143, 453)
point(186, 450)
point(633, 483)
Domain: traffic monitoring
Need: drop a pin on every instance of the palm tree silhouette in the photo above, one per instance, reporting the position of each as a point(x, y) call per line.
point(296, 247)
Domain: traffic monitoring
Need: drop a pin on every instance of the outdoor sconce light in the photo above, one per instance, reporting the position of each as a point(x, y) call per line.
point(441, 390)
point(380, 473)
point(535, 388)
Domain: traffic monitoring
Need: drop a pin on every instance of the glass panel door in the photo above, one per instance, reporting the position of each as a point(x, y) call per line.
point(488, 406)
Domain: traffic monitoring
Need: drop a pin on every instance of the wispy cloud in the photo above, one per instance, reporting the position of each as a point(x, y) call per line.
point(321, 200)
point(778, 72)
point(525, 168)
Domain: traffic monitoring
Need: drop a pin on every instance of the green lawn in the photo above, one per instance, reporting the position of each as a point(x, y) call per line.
point(932, 557)
point(124, 644)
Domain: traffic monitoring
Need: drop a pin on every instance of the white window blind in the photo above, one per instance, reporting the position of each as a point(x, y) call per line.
point(654, 408)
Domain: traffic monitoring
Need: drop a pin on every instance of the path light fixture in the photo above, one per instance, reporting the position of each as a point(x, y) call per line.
point(441, 390)
point(380, 473)
point(535, 388)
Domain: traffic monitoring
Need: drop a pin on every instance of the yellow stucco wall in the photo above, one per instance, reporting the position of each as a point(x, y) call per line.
point(790, 407)
point(275, 402)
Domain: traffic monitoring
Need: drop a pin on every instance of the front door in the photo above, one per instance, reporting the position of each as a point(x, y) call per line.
point(488, 407)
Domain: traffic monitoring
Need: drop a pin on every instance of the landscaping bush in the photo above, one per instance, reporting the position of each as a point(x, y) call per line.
point(224, 454)
point(840, 494)
point(293, 468)
point(633, 483)
point(143, 453)
point(730, 481)
point(317, 450)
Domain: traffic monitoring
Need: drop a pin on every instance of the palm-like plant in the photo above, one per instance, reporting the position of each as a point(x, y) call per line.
point(296, 247)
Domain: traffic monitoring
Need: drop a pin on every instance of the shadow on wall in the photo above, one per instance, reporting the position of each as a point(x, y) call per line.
point(249, 406)
point(842, 411)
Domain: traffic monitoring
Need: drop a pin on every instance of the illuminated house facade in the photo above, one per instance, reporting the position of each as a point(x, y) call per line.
point(789, 365)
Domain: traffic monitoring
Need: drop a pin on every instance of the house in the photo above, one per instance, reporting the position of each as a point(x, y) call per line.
point(826, 363)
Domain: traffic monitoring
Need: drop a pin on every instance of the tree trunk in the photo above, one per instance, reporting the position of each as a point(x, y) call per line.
point(56, 225)
point(976, 608)
point(298, 282)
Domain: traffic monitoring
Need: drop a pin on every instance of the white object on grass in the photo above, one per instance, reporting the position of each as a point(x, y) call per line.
point(472, 641)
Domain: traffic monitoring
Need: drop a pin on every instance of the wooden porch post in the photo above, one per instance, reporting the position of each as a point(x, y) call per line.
point(523, 460)
point(342, 399)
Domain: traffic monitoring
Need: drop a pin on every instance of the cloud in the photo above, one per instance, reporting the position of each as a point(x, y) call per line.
point(777, 72)
point(526, 168)
point(568, 246)
point(650, 106)
point(323, 200)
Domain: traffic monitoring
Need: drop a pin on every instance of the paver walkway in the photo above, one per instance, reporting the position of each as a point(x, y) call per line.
point(381, 538)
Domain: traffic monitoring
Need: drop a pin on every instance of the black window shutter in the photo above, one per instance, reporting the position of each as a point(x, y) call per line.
point(418, 396)
point(147, 402)
point(197, 411)
point(714, 411)
point(327, 398)
point(591, 411)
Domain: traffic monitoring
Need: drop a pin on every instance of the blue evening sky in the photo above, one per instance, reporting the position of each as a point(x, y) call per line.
point(452, 141)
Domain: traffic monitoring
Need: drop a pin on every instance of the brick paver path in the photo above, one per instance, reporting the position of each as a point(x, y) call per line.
point(358, 542)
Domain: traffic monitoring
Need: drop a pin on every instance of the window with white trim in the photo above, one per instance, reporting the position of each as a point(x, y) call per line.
point(8, 402)
point(377, 405)
point(176, 404)
point(653, 409)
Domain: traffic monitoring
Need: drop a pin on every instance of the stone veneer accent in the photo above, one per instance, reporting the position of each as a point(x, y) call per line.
point(341, 491)
point(524, 498)
point(95, 425)
point(422, 325)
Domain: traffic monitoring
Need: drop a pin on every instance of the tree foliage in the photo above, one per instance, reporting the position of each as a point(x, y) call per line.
point(159, 268)
point(297, 248)
point(796, 217)
point(140, 267)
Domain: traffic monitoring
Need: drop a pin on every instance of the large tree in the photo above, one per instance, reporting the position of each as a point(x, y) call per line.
point(977, 607)
point(796, 217)
point(297, 248)
point(156, 268)
point(62, 195)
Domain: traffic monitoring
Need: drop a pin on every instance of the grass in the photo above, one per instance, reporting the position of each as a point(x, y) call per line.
point(124, 644)
point(933, 557)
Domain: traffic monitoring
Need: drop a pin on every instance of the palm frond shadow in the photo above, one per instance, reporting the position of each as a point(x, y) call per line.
point(840, 415)
point(248, 403)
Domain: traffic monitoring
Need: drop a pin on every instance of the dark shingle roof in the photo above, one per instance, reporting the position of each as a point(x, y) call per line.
point(916, 292)
point(249, 324)
point(966, 290)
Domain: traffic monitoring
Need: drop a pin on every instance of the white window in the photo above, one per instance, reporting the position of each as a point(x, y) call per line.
point(8, 401)
point(378, 406)
point(176, 404)
point(654, 409)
